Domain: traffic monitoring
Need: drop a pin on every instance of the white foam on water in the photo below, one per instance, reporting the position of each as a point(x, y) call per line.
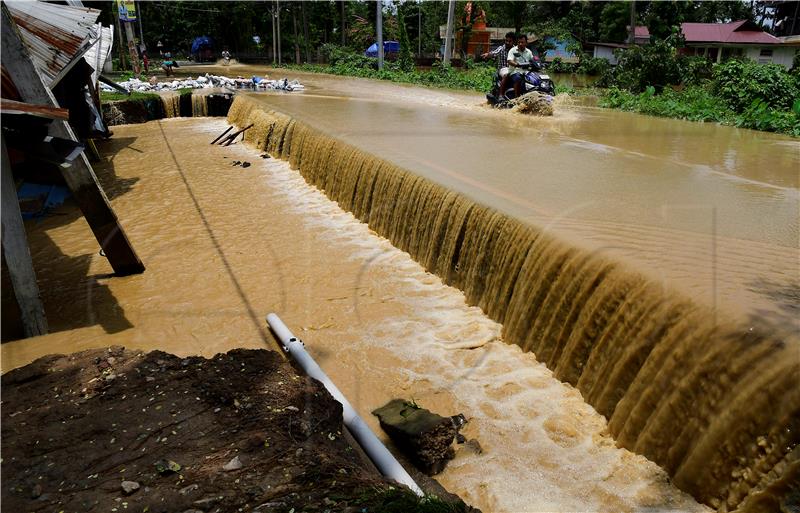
point(544, 448)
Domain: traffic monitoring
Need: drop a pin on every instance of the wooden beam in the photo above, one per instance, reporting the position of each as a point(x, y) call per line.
point(43, 111)
point(80, 176)
point(18, 255)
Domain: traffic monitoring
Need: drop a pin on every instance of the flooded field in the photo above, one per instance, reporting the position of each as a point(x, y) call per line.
point(225, 245)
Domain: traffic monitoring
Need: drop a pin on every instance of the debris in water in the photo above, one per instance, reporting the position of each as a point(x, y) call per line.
point(245, 164)
point(424, 436)
point(265, 156)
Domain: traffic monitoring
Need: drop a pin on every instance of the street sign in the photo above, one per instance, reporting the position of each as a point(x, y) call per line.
point(127, 10)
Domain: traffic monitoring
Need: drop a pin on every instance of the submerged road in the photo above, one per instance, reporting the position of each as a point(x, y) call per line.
point(711, 210)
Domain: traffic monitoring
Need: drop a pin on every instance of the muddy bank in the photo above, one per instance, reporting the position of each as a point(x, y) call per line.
point(167, 105)
point(115, 430)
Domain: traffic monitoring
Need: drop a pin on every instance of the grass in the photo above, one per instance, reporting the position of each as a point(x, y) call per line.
point(116, 96)
point(698, 103)
point(478, 78)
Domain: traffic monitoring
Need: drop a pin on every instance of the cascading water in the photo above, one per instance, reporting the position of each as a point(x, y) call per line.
point(172, 105)
point(199, 105)
point(713, 401)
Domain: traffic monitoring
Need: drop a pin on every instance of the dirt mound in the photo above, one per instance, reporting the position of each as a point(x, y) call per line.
point(116, 430)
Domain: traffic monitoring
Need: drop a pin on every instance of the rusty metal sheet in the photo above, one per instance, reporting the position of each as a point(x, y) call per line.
point(56, 35)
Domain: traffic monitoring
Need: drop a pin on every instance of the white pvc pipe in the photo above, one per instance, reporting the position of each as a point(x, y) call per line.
point(377, 452)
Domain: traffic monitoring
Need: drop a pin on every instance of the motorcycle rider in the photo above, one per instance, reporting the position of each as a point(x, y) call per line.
point(519, 59)
point(501, 53)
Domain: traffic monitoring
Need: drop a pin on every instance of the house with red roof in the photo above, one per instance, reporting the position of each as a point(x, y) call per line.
point(719, 41)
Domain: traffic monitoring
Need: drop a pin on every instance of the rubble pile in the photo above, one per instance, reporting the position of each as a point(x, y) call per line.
point(207, 81)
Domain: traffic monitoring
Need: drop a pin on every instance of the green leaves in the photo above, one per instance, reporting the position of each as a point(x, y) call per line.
point(739, 82)
point(697, 103)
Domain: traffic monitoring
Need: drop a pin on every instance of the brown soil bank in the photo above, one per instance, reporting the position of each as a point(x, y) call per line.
point(116, 430)
point(713, 400)
point(167, 105)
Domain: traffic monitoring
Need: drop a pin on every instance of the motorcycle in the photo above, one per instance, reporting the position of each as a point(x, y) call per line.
point(533, 80)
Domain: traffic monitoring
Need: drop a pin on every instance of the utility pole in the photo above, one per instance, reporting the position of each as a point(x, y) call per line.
point(379, 24)
point(141, 26)
point(120, 41)
point(419, 30)
point(132, 47)
point(278, 24)
point(274, 44)
point(448, 42)
point(344, 24)
point(632, 35)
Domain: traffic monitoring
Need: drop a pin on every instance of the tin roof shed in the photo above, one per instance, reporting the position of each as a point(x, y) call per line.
point(56, 35)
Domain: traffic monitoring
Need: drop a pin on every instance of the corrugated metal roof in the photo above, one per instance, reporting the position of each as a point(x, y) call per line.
point(56, 35)
point(736, 32)
point(101, 46)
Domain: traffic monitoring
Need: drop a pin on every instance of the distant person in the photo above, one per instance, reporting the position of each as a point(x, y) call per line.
point(145, 62)
point(169, 63)
point(160, 47)
point(501, 54)
point(226, 56)
point(519, 60)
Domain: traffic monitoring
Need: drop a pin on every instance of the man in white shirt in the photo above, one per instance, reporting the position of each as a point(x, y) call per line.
point(519, 60)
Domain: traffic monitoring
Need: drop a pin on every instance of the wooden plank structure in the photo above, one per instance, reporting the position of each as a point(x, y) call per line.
point(80, 176)
point(43, 111)
point(18, 256)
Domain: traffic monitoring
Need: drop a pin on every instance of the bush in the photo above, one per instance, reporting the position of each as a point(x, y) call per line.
point(694, 69)
point(638, 67)
point(559, 66)
point(740, 83)
point(594, 66)
point(760, 116)
point(696, 103)
point(340, 56)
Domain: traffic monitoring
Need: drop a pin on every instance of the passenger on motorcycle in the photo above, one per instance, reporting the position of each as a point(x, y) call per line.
point(519, 59)
point(501, 52)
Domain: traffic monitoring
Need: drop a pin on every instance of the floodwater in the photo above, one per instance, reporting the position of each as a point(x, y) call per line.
point(713, 210)
point(224, 245)
point(650, 263)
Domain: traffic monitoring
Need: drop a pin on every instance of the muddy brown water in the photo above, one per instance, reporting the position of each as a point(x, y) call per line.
point(690, 369)
point(633, 309)
point(226, 245)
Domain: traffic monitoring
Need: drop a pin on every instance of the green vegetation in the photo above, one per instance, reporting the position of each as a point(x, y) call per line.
point(110, 97)
point(347, 63)
point(735, 92)
point(698, 103)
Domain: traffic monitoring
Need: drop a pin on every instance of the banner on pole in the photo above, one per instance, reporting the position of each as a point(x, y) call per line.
point(127, 10)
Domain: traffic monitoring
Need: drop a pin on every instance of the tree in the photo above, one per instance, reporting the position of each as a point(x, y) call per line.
point(405, 60)
point(614, 20)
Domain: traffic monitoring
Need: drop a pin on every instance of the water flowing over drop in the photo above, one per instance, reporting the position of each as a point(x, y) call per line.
point(712, 400)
